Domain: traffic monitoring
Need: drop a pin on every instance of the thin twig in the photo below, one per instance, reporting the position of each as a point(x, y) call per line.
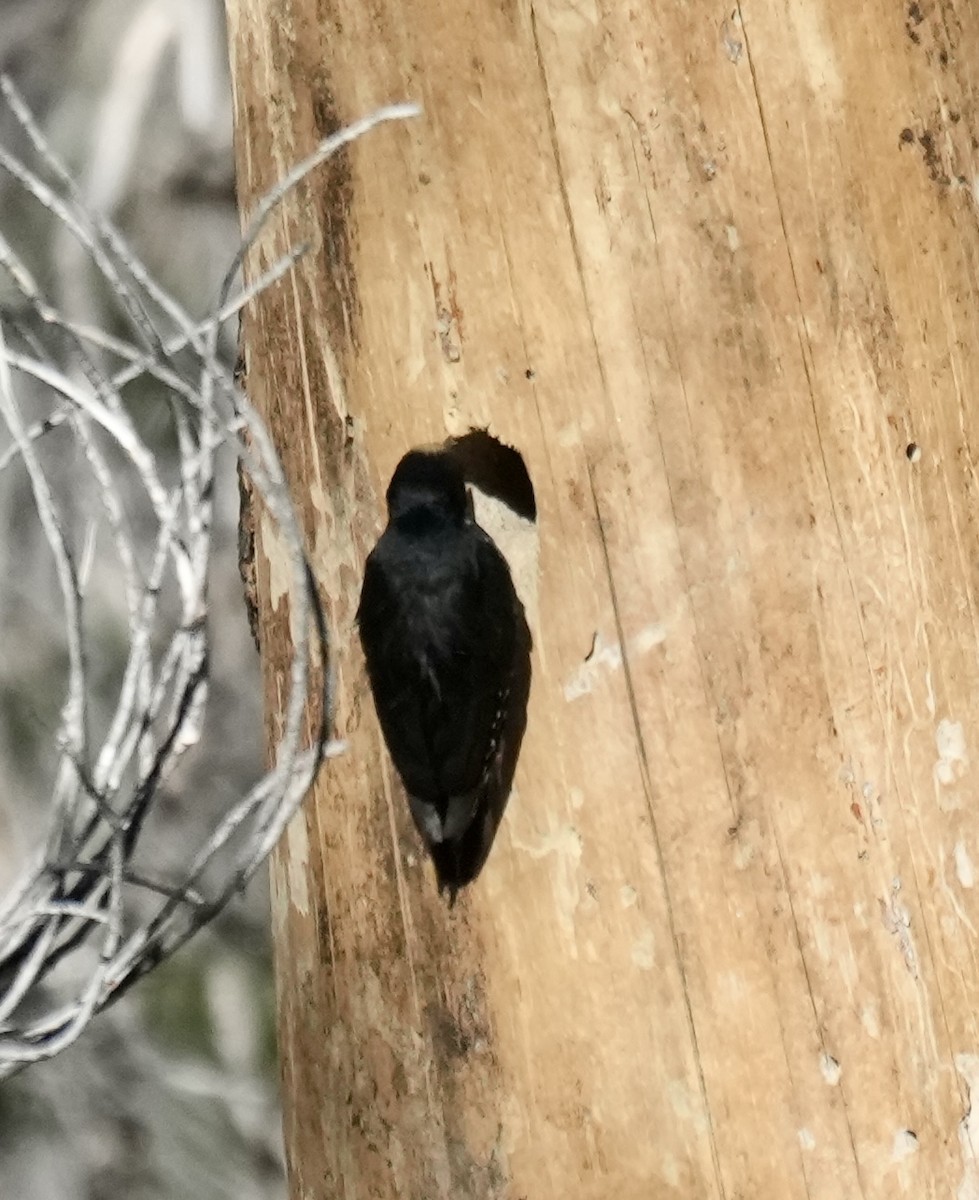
point(82, 895)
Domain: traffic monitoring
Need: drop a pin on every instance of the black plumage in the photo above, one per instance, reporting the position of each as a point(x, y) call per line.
point(440, 624)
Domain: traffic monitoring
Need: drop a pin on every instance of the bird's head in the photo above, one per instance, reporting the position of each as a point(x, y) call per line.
point(428, 484)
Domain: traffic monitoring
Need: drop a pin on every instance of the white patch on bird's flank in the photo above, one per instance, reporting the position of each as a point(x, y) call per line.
point(905, 1144)
point(607, 656)
point(963, 865)
point(967, 1066)
point(806, 1140)
point(830, 1068)
point(952, 755)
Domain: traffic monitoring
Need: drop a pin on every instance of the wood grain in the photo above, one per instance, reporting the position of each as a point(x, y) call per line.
point(713, 273)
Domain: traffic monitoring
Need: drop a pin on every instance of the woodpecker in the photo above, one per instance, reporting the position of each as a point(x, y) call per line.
point(439, 622)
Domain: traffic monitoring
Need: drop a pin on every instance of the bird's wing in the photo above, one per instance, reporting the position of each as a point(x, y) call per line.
point(440, 658)
point(394, 676)
point(465, 725)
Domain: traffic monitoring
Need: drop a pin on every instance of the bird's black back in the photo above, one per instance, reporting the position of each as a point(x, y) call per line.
point(438, 622)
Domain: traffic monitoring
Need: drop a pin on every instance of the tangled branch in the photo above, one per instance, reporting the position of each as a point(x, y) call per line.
point(83, 923)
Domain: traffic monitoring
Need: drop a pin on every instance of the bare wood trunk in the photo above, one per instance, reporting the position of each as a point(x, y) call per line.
point(716, 280)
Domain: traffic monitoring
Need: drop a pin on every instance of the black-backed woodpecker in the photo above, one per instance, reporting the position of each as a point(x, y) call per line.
point(438, 621)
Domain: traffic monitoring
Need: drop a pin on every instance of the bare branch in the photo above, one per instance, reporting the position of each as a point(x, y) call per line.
point(82, 899)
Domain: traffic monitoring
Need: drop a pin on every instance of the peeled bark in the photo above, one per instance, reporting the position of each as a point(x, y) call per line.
point(716, 281)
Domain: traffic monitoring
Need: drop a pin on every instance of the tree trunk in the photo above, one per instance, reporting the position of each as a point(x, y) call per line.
point(713, 273)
